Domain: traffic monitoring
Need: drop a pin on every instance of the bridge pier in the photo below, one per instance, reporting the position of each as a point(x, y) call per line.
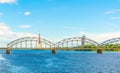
point(99, 51)
point(53, 51)
point(8, 50)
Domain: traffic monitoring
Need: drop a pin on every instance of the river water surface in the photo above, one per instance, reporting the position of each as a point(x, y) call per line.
point(40, 61)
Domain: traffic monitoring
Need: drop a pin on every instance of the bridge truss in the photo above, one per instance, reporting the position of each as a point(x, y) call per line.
point(30, 43)
point(75, 42)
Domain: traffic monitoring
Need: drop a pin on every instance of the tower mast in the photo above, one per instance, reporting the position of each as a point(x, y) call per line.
point(39, 42)
point(39, 39)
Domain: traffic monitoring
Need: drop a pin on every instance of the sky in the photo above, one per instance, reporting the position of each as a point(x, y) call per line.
point(59, 19)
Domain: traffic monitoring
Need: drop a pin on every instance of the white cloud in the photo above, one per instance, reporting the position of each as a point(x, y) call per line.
point(27, 13)
point(112, 11)
point(3, 28)
point(25, 26)
point(8, 1)
point(103, 36)
point(83, 33)
point(7, 35)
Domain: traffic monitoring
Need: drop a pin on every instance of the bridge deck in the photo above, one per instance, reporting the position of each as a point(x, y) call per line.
point(32, 48)
point(4, 48)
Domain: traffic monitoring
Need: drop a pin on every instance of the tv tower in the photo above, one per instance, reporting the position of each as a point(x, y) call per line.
point(39, 42)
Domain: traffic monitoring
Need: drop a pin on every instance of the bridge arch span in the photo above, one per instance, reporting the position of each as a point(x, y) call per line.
point(111, 41)
point(75, 41)
point(30, 42)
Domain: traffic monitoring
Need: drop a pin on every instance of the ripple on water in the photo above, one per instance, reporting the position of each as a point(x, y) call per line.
point(60, 63)
point(2, 58)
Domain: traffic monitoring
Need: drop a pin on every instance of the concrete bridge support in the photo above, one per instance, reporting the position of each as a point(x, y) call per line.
point(54, 51)
point(8, 50)
point(99, 51)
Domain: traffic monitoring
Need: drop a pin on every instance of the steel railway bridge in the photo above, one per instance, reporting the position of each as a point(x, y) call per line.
point(74, 43)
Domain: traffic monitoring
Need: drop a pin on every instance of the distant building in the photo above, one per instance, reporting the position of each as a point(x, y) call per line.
point(83, 41)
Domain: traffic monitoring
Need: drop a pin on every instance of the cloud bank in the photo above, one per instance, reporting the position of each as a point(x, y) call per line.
point(8, 1)
point(7, 35)
point(101, 37)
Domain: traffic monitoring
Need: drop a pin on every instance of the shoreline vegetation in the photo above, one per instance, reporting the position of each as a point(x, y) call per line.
point(105, 48)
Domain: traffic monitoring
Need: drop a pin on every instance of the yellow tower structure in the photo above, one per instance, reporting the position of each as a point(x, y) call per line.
point(39, 45)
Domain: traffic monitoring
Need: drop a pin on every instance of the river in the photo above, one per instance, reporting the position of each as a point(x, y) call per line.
point(41, 61)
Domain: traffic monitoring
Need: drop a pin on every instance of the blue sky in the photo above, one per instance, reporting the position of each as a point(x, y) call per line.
point(58, 19)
